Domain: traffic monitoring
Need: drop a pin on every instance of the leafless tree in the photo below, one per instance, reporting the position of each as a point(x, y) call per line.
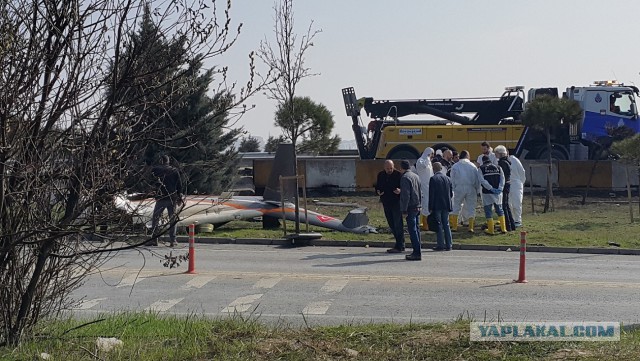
point(286, 58)
point(66, 139)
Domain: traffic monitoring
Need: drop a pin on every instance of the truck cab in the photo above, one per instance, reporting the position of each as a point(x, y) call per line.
point(607, 106)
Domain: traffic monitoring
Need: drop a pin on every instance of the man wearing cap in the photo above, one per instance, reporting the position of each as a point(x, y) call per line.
point(438, 156)
point(410, 205)
point(492, 181)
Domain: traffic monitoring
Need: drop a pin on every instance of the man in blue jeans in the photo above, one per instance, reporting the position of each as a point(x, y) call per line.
point(440, 193)
point(410, 205)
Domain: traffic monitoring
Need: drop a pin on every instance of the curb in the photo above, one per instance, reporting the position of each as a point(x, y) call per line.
point(363, 243)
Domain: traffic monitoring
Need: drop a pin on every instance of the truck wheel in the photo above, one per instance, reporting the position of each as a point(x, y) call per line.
point(403, 153)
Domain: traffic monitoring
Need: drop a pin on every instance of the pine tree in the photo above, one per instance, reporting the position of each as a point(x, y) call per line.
point(187, 124)
point(249, 144)
point(309, 127)
point(272, 143)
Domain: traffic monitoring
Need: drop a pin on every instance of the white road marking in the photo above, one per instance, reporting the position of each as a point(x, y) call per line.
point(317, 308)
point(198, 282)
point(130, 281)
point(334, 285)
point(242, 304)
point(87, 304)
point(163, 305)
point(408, 279)
point(321, 307)
point(267, 282)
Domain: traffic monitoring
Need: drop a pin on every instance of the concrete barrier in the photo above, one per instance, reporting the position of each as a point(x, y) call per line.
point(350, 174)
point(321, 173)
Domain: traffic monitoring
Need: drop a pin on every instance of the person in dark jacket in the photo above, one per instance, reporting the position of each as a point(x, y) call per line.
point(168, 196)
point(447, 161)
point(505, 164)
point(388, 188)
point(410, 205)
point(440, 193)
point(492, 182)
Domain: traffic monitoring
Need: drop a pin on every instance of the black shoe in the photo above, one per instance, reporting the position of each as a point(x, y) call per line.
point(395, 250)
point(448, 249)
point(173, 244)
point(437, 249)
point(151, 243)
point(413, 257)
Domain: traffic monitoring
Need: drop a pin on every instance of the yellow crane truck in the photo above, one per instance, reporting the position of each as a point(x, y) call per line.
point(389, 136)
point(464, 123)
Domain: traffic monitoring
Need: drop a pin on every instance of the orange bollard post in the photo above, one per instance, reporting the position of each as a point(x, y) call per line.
point(523, 253)
point(192, 249)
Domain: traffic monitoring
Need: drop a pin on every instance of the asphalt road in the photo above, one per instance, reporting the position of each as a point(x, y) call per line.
point(336, 285)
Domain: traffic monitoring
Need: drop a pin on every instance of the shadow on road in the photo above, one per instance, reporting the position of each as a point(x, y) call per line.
point(500, 284)
point(363, 263)
point(345, 255)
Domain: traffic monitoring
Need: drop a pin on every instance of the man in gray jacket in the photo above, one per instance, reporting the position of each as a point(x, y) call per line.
point(410, 205)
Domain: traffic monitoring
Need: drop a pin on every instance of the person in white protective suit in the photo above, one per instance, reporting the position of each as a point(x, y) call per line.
point(424, 169)
point(466, 186)
point(518, 177)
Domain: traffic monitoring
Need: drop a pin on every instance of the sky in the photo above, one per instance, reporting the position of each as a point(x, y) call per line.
point(428, 49)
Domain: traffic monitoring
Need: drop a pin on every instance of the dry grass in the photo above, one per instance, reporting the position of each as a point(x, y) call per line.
point(150, 337)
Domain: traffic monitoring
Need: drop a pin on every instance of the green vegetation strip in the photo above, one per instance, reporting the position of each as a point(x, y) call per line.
point(151, 337)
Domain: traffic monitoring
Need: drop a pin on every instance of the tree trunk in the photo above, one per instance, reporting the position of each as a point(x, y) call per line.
point(586, 192)
point(533, 209)
point(297, 185)
point(27, 298)
point(294, 139)
point(549, 165)
point(626, 173)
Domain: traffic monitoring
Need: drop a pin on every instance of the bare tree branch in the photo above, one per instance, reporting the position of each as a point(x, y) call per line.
point(72, 127)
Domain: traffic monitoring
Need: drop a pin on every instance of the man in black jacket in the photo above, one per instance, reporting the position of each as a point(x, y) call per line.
point(388, 188)
point(440, 193)
point(505, 164)
point(168, 196)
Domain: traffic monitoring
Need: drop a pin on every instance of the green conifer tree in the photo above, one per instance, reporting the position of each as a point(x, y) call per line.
point(178, 116)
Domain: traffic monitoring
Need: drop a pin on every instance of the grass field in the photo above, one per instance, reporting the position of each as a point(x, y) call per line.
point(595, 224)
point(149, 337)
